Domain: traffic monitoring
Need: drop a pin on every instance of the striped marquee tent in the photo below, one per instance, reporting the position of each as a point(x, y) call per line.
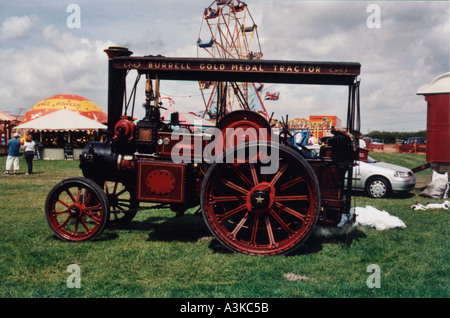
point(7, 122)
point(5, 117)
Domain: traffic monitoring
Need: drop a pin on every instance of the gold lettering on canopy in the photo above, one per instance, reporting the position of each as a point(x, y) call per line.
point(240, 67)
point(296, 69)
point(168, 66)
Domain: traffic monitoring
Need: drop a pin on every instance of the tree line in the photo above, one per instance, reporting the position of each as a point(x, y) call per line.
point(389, 137)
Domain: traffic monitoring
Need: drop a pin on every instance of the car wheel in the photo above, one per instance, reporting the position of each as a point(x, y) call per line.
point(378, 187)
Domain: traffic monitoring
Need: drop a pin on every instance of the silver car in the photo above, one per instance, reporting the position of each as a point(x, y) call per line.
point(379, 179)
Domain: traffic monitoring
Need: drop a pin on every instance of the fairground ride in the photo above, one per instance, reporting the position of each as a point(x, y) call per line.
point(228, 31)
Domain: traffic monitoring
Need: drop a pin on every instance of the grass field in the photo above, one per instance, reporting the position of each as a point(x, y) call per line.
point(160, 256)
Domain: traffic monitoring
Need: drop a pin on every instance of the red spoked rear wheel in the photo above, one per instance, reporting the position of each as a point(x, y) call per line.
point(77, 209)
point(264, 214)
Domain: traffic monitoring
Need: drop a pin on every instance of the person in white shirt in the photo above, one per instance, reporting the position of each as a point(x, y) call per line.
point(29, 146)
point(312, 140)
point(362, 143)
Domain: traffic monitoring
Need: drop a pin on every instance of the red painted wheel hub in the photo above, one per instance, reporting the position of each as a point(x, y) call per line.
point(76, 210)
point(260, 198)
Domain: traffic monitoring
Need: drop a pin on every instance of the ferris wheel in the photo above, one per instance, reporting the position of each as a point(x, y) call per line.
point(228, 31)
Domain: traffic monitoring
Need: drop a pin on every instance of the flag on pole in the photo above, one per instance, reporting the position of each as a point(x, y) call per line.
point(272, 96)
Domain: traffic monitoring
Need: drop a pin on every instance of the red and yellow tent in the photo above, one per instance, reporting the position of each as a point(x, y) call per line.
point(78, 104)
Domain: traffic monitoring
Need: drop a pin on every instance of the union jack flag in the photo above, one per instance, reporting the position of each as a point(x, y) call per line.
point(272, 96)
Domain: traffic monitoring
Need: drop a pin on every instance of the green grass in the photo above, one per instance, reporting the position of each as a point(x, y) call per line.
point(158, 255)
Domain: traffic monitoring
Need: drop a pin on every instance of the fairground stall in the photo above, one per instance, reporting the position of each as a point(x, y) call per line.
point(437, 96)
point(62, 134)
point(7, 122)
point(62, 124)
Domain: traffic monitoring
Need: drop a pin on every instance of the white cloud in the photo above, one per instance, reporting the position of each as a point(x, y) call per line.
point(15, 27)
point(66, 64)
point(409, 50)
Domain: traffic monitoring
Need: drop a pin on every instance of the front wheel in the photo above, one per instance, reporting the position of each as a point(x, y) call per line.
point(261, 214)
point(378, 187)
point(77, 210)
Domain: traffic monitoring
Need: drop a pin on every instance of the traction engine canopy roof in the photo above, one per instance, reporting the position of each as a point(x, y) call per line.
point(212, 69)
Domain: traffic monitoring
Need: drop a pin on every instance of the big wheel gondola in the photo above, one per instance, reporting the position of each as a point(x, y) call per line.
point(263, 214)
point(77, 209)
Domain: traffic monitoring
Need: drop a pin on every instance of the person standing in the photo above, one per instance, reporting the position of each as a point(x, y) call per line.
point(312, 140)
point(362, 143)
point(29, 146)
point(13, 154)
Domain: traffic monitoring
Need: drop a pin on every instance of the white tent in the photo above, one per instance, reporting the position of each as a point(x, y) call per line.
point(63, 119)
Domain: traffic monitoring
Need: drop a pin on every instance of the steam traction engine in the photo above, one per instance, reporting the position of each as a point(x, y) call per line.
point(251, 204)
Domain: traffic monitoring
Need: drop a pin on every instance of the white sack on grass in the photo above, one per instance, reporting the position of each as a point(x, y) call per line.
point(372, 217)
point(438, 187)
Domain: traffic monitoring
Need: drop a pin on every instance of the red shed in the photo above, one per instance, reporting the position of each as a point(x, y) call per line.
point(437, 95)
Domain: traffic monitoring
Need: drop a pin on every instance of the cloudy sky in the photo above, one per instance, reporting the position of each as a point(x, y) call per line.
point(401, 45)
